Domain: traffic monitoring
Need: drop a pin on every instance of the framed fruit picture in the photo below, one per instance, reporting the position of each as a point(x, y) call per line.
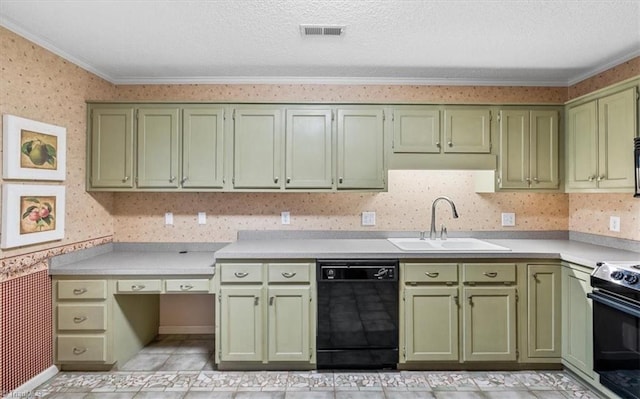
point(31, 214)
point(33, 150)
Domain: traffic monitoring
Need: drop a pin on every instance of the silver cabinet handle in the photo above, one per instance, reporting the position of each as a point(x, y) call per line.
point(256, 301)
point(271, 301)
point(288, 274)
point(288, 180)
point(126, 178)
point(171, 179)
point(79, 351)
point(184, 180)
point(275, 179)
point(79, 319)
point(137, 287)
point(450, 143)
point(490, 274)
point(591, 178)
point(186, 287)
point(535, 180)
point(455, 299)
point(79, 291)
point(528, 180)
point(241, 274)
point(340, 180)
point(432, 274)
point(438, 144)
point(600, 178)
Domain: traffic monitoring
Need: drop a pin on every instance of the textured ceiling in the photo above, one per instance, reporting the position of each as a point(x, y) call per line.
point(534, 42)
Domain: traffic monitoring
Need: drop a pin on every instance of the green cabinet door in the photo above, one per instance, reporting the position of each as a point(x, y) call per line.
point(258, 135)
point(543, 311)
point(158, 147)
point(582, 148)
point(543, 150)
point(577, 324)
point(514, 149)
point(309, 155)
point(617, 126)
point(467, 130)
point(489, 324)
point(202, 147)
point(241, 323)
point(288, 321)
point(361, 148)
point(112, 147)
point(431, 323)
point(416, 130)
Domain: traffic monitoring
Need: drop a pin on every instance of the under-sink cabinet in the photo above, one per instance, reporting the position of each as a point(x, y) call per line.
point(494, 312)
point(265, 314)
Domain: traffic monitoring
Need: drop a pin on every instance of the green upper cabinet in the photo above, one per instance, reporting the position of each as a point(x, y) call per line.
point(111, 147)
point(600, 142)
point(528, 149)
point(257, 141)
point(360, 148)
point(416, 130)
point(308, 148)
point(158, 147)
point(202, 147)
point(467, 130)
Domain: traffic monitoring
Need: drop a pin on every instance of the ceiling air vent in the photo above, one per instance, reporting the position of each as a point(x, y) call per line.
point(322, 30)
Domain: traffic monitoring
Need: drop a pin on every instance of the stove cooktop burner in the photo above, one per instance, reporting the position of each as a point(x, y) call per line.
point(623, 273)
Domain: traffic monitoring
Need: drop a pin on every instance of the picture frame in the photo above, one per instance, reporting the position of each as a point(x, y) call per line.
point(33, 150)
point(32, 214)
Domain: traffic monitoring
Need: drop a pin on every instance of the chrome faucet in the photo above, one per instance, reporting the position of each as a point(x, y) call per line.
point(432, 232)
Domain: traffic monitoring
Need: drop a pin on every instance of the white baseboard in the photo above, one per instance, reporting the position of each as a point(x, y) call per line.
point(186, 330)
point(22, 390)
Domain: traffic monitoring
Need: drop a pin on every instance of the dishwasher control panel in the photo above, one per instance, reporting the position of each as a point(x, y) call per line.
point(354, 270)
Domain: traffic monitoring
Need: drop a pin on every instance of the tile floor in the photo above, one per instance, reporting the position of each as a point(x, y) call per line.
point(181, 367)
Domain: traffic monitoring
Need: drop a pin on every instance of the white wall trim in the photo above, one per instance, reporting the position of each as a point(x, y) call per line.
point(186, 330)
point(22, 390)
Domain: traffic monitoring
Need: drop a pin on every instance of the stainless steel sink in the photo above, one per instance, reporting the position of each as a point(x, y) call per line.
point(448, 245)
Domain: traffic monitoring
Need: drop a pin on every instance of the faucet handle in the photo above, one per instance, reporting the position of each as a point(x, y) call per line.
point(443, 232)
point(422, 235)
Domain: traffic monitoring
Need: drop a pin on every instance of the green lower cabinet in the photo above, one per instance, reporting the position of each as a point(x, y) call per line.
point(431, 324)
point(543, 311)
point(241, 323)
point(577, 320)
point(489, 324)
point(289, 323)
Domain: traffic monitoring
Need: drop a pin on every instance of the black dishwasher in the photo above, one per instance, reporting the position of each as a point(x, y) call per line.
point(357, 314)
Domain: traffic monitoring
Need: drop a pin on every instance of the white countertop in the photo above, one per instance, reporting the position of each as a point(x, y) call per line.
point(202, 263)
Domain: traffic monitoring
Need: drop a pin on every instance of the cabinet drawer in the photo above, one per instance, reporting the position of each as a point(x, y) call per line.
point(431, 273)
point(139, 286)
point(488, 273)
point(241, 273)
point(82, 317)
point(288, 272)
point(81, 348)
point(82, 289)
point(184, 286)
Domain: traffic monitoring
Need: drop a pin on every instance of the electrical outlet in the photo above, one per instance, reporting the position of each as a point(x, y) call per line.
point(368, 218)
point(202, 218)
point(168, 218)
point(509, 219)
point(614, 223)
point(285, 217)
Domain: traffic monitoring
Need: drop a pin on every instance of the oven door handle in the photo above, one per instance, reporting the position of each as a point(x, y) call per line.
point(614, 303)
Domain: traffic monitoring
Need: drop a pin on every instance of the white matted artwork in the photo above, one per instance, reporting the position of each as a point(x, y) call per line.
point(31, 214)
point(33, 150)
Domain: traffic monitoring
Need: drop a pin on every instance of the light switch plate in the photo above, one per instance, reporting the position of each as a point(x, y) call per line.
point(614, 223)
point(509, 219)
point(168, 218)
point(202, 218)
point(285, 217)
point(368, 218)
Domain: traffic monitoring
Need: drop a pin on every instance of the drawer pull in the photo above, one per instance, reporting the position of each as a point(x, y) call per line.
point(288, 274)
point(186, 287)
point(241, 274)
point(79, 291)
point(79, 351)
point(432, 274)
point(137, 287)
point(79, 319)
point(491, 274)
